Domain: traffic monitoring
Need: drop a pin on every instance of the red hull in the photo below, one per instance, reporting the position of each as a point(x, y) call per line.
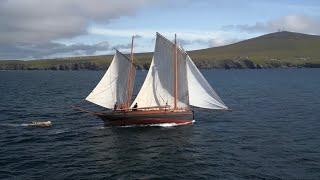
point(147, 118)
point(150, 122)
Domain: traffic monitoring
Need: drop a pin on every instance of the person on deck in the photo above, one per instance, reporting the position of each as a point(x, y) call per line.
point(115, 107)
point(135, 107)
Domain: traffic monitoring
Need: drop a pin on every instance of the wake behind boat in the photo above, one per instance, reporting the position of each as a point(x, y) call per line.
point(172, 85)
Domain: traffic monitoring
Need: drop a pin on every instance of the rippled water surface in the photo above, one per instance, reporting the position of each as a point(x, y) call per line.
point(273, 131)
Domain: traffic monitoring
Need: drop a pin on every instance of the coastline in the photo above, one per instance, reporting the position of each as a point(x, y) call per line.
point(144, 65)
point(275, 50)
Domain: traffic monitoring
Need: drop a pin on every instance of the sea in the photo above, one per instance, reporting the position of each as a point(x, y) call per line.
point(273, 131)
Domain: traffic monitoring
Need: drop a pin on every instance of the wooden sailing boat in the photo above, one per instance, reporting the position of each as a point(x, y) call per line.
point(172, 85)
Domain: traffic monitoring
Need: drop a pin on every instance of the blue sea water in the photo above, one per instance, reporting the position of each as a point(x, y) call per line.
point(273, 131)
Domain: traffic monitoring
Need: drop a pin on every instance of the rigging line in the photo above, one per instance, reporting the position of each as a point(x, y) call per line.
point(78, 103)
point(126, 57)
point(161, 97)
point(175, 72)
point(85, 110)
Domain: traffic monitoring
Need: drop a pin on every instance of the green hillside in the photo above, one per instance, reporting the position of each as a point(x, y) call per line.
point(280, 49)
point(275, 49)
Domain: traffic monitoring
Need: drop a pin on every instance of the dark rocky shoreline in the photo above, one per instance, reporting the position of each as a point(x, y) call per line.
point(225, 64)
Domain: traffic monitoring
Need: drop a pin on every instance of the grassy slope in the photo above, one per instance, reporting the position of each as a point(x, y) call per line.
point(286, 47)
point(271, 50)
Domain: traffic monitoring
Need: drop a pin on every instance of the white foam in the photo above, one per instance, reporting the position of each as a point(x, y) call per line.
point(59, 131)
point(166, 125)
point(13, 125)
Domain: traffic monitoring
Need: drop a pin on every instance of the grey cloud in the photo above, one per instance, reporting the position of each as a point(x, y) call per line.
point(122, 46)
point(297, 23)
point(29, 27)
point(50, 49)
point(42, 21)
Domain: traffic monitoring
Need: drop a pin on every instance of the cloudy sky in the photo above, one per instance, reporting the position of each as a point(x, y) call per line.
point(31, 29)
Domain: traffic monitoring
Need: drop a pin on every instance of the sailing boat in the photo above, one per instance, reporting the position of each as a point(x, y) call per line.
point(172, 85)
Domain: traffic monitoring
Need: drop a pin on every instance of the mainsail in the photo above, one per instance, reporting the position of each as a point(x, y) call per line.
point(115, 86)
point(158, 88)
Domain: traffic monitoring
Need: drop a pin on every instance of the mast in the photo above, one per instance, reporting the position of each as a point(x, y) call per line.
point(175, 72)
point(130, 75)
point(131, 55)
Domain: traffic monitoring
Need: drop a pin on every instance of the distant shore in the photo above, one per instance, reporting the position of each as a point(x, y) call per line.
point(224, 64)
point(275, 50)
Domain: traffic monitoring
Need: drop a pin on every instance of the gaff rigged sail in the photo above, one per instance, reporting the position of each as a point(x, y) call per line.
point(192, 88)
point(158, 87)
point(113, 87)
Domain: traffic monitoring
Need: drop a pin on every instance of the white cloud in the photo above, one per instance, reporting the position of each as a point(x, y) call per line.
point(210, 38)
point(222, 41)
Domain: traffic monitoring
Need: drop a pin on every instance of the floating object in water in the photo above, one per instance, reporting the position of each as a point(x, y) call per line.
point(40, 124)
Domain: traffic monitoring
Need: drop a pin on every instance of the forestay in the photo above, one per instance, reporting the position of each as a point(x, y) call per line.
point(113, 87)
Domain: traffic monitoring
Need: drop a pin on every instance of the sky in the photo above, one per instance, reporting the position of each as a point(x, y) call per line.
point(33, 29)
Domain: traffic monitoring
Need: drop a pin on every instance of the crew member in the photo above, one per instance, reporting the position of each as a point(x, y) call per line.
point(115, 107)
point(135, 107)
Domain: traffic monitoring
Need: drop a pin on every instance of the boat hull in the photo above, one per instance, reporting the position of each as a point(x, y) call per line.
point(147, 117)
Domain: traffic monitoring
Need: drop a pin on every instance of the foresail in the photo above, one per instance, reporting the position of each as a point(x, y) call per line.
point(158, 87)
point(201, 94)
point(113, 87)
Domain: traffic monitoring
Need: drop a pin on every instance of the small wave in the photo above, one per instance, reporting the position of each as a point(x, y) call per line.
point(13, 125)
point(100, 127)
point(165, 125)
point(59, 131)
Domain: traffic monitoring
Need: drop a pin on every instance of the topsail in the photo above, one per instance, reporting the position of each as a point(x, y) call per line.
point(115, 86)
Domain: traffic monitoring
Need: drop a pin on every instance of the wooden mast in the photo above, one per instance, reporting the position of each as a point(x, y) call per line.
point(131, 55)
point(130, 75)
point(175, 71)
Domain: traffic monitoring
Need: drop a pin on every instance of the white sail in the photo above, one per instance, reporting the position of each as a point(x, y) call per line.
point(158, 87)
point(201, 94)
point(113, 87)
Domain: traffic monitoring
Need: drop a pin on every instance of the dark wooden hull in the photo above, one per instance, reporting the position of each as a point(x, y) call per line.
point(154, 117)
